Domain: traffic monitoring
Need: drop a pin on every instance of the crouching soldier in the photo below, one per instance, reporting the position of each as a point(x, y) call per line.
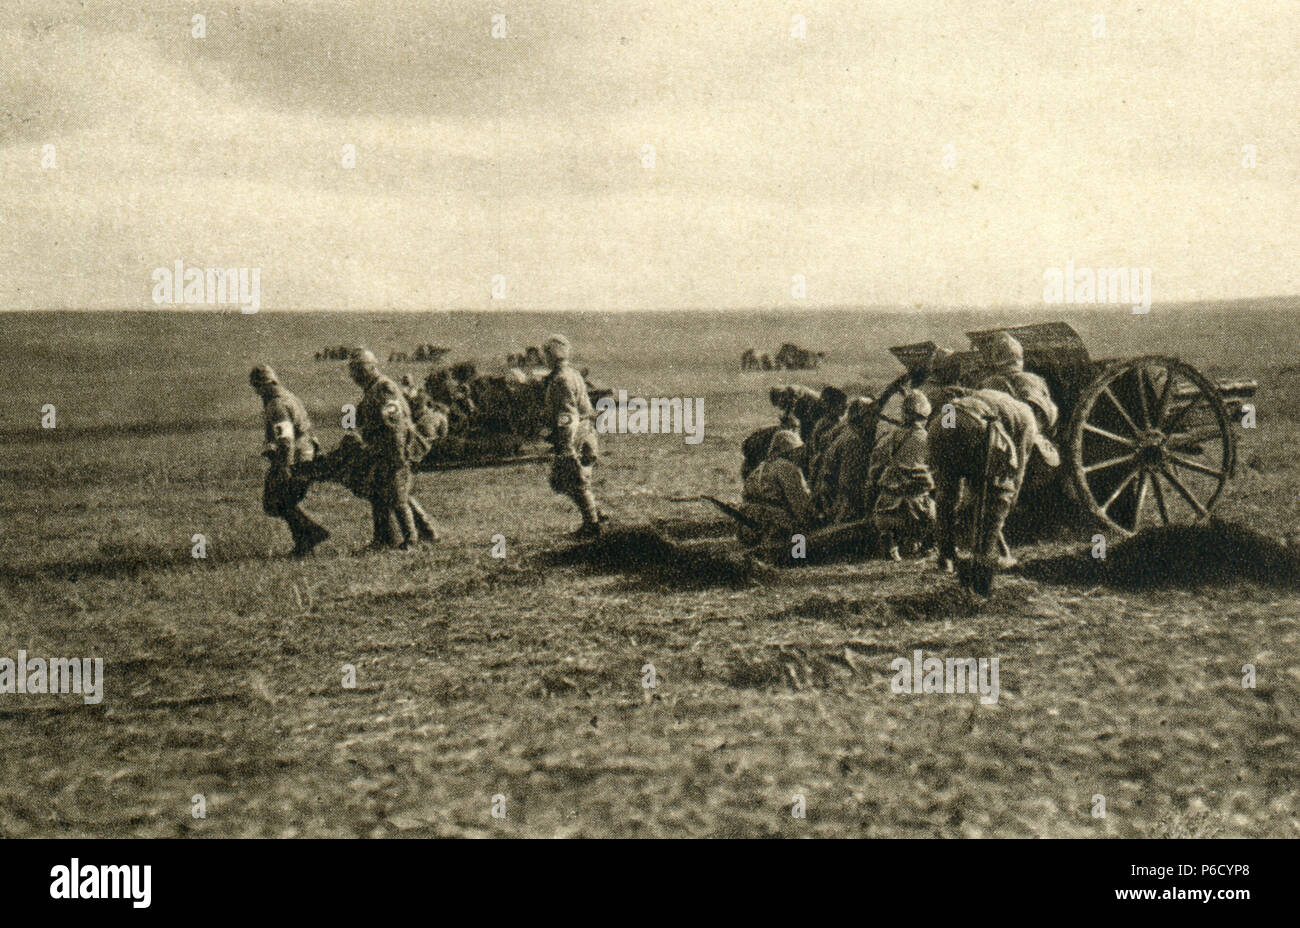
point(841, 475)
point(384, 421)
point(985, 439)
point(904, 511)
point(777, 501)
point(573, 437)
point(290, 444)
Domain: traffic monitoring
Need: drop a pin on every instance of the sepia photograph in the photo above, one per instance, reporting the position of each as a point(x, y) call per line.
point(646, 419)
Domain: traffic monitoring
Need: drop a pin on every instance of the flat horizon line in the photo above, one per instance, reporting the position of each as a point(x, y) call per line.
point(1126, 308)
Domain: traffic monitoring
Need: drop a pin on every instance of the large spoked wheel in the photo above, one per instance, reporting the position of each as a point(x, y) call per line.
point(1151, 445)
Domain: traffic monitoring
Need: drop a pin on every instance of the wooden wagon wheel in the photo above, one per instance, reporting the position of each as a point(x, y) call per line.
point(1150, 443)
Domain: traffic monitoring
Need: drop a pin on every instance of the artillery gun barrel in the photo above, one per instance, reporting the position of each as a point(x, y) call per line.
point(1235, 392)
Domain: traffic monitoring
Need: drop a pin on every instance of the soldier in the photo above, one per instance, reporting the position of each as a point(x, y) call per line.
point(833, 403)
point(777, 501)
point(841, 474)
point(384, 420)
point(904, 510)
point(430, 418)
point(573, 438)
point(289, 443)
point(987, 441)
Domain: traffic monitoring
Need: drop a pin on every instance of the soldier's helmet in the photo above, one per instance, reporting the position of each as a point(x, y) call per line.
point(783, 442)
point(1005, 353)
point(557, 346)
point(363, 362)
point(916, 406)
point(1033, 390)
point(262, 376)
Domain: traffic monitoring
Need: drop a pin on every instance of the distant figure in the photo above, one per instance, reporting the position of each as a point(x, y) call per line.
point(573, 439)
point(904, 511)
point(290, 442)
point(748, 360)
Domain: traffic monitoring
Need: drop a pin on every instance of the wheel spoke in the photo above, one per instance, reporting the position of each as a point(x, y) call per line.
point(1096, 430)
point(1119, 489)
point(1141, 500)
point(1142, 393)
point(1196, 466)
point(1184, 492)
point(1110, 463)
point(1162, 406)
point(1128, 420)
point(1177, 418)
point(1186, 441)
point(1160, 498)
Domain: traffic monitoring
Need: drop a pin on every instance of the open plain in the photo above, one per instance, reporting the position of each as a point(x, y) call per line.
point(521, 678)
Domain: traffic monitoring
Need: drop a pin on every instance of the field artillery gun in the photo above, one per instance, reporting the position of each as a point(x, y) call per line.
point(1144, 441)
point(495, 420)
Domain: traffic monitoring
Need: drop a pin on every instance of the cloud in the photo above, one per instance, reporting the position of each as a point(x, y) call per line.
point(524, 156)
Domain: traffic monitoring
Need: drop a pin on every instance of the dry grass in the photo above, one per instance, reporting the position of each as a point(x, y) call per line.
point(522, 676)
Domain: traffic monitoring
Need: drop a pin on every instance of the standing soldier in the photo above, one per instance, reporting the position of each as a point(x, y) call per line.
point(289, 442)
point(384, 420)
point(573, 439)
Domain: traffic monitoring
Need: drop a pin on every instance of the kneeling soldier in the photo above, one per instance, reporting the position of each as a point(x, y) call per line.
point(904, 510)
point(289, 443)
point(777, 501)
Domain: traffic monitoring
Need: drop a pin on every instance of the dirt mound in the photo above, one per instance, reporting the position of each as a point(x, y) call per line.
point(1214, 553)
point(643, 551)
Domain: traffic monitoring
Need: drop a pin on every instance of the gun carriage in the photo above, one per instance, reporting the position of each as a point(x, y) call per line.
point(1144, 441)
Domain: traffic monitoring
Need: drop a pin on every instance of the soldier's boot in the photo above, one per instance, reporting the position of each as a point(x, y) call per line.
point(427, 528)
point(307, 532)
point(946, 531)
point(406, 522)
point(381, 520)
point(994, 552)
point(887, 539)
point(591, 516)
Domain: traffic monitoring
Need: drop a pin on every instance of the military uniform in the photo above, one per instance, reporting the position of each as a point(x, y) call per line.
point(568, 411)
point(841, 476)
point(777, 501)
point(290, 447)
point(958, 453)
point(904, 510)
point(384, 421)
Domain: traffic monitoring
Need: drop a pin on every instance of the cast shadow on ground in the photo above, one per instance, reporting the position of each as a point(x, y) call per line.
point(642, 553)
point(1213, 553)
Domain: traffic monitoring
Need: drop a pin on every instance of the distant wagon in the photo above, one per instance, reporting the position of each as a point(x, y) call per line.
point(1144, 441)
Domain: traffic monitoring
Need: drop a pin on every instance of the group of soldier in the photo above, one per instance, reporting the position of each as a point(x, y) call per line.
point(396, 425)
point(834, 461)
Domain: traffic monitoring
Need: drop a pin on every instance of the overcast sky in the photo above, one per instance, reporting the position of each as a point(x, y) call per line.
point(523, 156)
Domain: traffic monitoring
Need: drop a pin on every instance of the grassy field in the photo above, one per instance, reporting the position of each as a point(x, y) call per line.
point(522, 677)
